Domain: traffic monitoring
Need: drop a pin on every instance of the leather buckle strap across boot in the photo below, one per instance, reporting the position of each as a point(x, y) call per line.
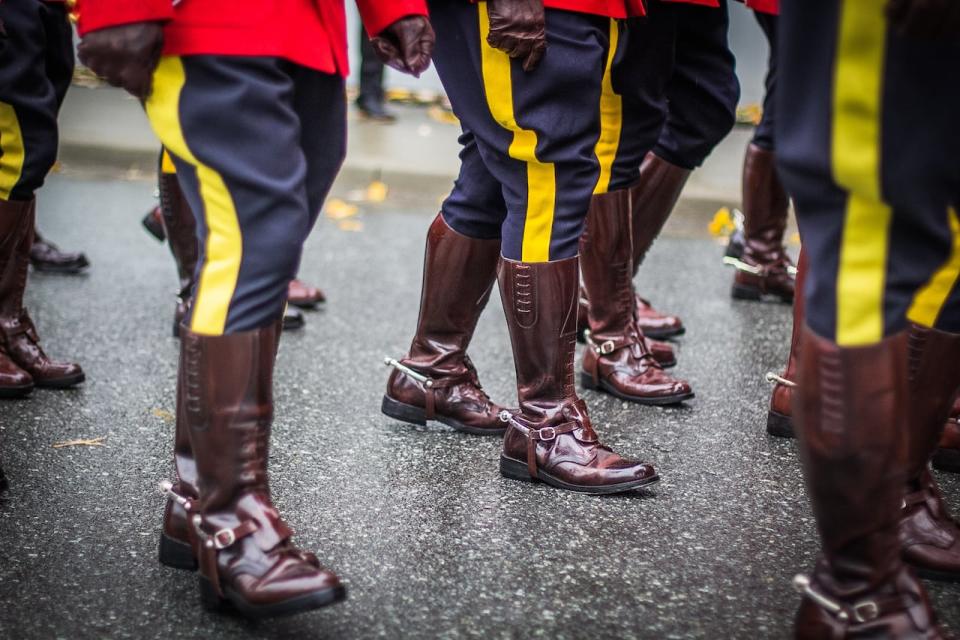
point(930, 537)
point(779, 417)
point(551, 439)
point(436, 381)
point(246, 555)
point(617, 360)
point(852, 418)
point(662, 352)
point(764, 269)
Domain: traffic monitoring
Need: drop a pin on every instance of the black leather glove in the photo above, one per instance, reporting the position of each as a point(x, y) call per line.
point(518, 28)
point(930, 19)
point(125, 56)
point(406, 45)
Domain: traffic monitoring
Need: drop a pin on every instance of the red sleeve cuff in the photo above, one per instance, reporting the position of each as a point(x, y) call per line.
point(100, 14)
point(377, 15)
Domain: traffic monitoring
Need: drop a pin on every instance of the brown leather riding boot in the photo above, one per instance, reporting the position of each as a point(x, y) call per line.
point(662, 352)
point(764, 269)
point(551, 439)
point(617, 360)
point(852, 408)
point(48, 257)
point(779, 417)
point(14, 381)
point(17, 333)
point(246, 558)
point(947, 455)
point(436, 380)
point(654, 196)
point(153, 223)
point(181, 231)
point(305, 296)
point(929, 535)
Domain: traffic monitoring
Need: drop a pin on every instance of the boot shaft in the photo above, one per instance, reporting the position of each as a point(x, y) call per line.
point(458, 276)
point(852, 425)
point(16, 238)
point(654, 196)
point(540, 304)
point(606, 262)
point(181, 228)
point(765, 202)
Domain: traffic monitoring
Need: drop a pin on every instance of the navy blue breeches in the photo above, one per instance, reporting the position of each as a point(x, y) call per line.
point(867, 131)
point(764, 134)
point(36, 67)
point(257, 143)
point(529, 162)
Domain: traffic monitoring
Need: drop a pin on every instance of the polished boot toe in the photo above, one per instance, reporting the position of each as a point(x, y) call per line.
point(46, 256)
point(293, 319)
point(153, 223)
point(22, 344)
point(656, 325)
point(305, 296)
point(929, 536)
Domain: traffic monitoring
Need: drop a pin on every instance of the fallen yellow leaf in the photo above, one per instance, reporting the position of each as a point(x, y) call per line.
point(350, 225)
point(377, 191)
point(337, 209)
point(722, 223)
point(163, 414)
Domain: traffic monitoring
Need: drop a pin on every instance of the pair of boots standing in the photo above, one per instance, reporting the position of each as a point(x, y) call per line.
point(550, 438)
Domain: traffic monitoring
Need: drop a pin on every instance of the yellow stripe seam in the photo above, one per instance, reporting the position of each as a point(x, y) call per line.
point(12, 153)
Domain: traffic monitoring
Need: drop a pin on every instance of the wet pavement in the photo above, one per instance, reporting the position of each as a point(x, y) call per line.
point(430, 540)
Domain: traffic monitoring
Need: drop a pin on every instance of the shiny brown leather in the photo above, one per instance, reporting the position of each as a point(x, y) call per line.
point(663, 352)
point(765, 207)
point(246, 553)
point(181, 229)
point(458, 276)
point(14, 381)
point(617, 360)
point(779, 417)
point(46, 256)
point(852, 418)
point(18, 336)
point(947, 455)
point(653, 198)
point(153, 223)
point(303, 295)
point(551, 438)
point(929, 535)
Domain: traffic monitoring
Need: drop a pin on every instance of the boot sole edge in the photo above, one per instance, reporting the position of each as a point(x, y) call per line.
point(740, 292)
point(61, 383)
point(300, 604)
point(516, 470)
point(17, 392)
point(586, 380)
point(946, 460)
point(415, 415)
point(779, 425)
point(176, 554)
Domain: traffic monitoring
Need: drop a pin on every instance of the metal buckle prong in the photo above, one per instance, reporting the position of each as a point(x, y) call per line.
point(866, 611)
point(224, 538)
point(419, 377)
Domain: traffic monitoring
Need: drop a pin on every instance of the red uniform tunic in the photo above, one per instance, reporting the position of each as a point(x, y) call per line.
point(312, 33)
point(765, 6)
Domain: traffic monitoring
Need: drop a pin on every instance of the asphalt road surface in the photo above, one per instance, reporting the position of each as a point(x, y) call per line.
point(430, 540)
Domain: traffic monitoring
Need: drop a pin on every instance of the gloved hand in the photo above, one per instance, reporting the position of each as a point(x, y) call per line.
point(518, 28)
point(931, 19)
point(125, 56)
point(406, 45)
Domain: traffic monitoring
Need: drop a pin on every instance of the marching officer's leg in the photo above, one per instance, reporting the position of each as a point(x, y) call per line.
point(59, 59)
point(536, 133)
point(619, 359)
point(876, 197)
point(28, 138)
point(764, 268)
point(436, 380)
point(253, 213)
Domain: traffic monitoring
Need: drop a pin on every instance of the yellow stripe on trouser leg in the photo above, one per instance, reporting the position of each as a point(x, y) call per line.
point(11, 150)
point(611, 117)
point(541, 176)
point(929, 301)
point(224, 246)
point(858, 90)
point(166, 162)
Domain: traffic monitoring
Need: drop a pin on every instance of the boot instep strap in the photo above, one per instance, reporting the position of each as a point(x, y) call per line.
point(543, 434)
point(863, 611)
point(607, 347)
point(224, 538)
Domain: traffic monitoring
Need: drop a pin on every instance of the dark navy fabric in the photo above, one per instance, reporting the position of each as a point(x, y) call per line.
point(559, 101)
point(677, 79)
point(276, 133)
point(919, 175)
point(36, 67)
point(764, 135)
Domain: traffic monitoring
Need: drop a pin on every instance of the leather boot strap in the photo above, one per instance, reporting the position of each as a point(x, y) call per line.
point(21, 325)
point(212, 543)
point(607, 347)
point(543, 434)
point(860, 612)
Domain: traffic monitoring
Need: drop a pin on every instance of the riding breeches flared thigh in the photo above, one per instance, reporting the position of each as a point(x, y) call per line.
point(529, 146)
point(864, 123)
point(230, 123)
point(36, 67)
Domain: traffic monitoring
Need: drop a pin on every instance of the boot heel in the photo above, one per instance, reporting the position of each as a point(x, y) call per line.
point(176, 554)
point(946, 460)
point(586, 381)
point(514, 470)
point(779, 425)
point(403, 412)
point(740, 292)
point(209, 598)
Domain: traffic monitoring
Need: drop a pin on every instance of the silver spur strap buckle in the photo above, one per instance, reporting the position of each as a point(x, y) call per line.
point(863, 611)
point(604, 349)
point(772, 377)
